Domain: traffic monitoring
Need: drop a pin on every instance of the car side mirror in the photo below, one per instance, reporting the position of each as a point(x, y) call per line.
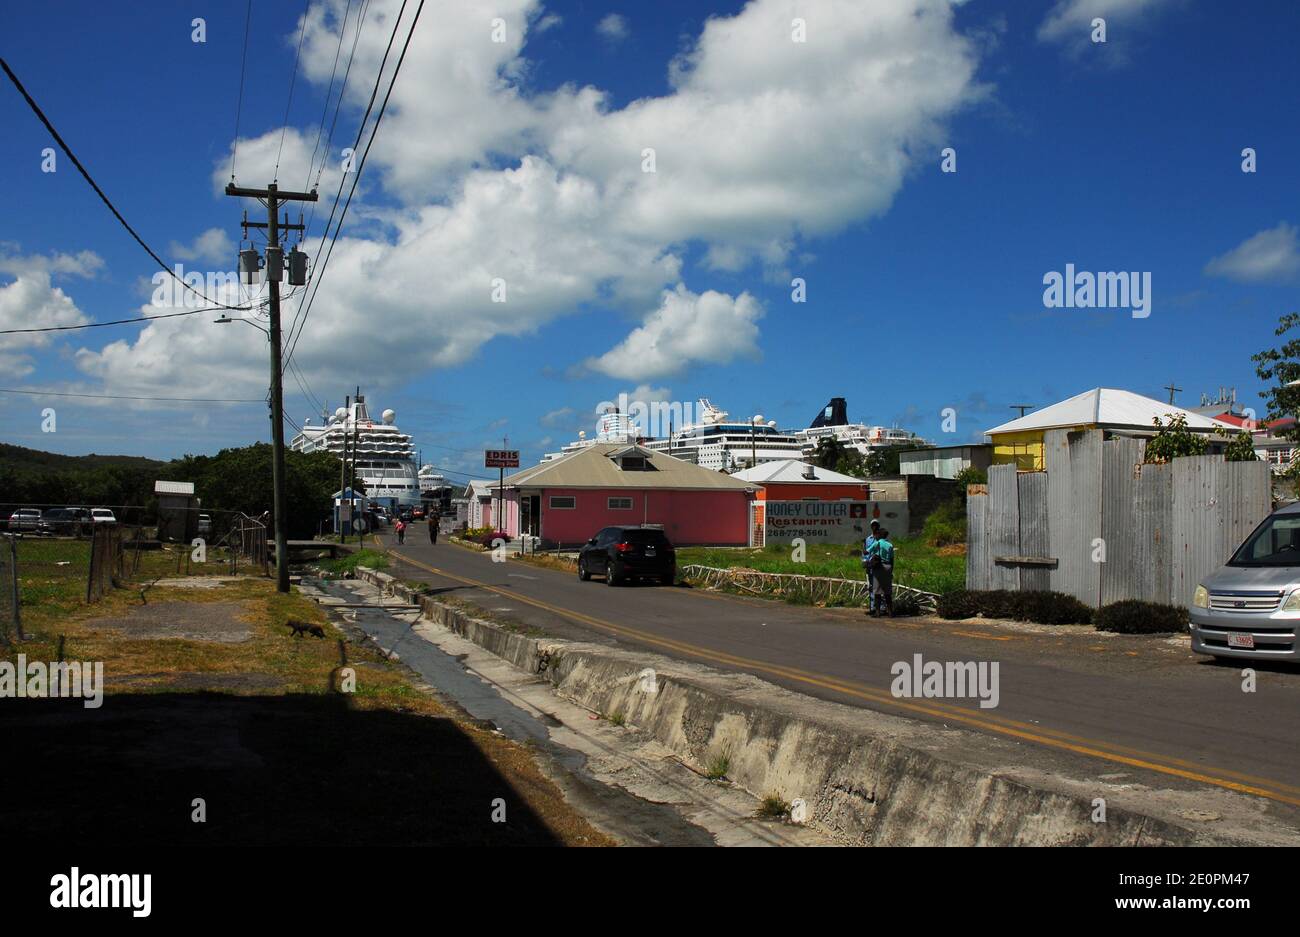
point(591, 542)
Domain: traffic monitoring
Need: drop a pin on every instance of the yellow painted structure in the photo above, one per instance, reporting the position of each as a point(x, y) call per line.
point(1024, 449)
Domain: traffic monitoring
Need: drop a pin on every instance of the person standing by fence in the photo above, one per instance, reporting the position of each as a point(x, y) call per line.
point(883, 574)
point(869, 561)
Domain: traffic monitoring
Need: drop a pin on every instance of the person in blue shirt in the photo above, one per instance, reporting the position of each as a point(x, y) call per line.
point(868, 564)
point(883, 574)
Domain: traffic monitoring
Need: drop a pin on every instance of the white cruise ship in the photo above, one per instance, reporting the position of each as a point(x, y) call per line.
point(833, 422)
point(715, 442)
point(385, 457)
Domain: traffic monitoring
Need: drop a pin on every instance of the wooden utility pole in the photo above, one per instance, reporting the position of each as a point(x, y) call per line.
point(272, 197)
point(1172, 390)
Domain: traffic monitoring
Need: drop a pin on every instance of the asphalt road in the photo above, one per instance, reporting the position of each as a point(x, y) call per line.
point(1111, 704)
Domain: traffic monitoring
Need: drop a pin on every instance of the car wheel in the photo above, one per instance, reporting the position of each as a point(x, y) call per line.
point(583, 573)
point(612, 578)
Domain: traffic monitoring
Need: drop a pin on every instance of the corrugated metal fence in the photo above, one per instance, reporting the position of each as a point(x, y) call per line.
point(1102, 526)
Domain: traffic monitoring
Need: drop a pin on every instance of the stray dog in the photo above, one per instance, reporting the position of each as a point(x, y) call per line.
point(303, 628)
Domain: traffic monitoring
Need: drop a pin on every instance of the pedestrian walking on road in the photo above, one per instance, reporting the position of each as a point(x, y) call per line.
point(434, 518)
point(869, 562)
point(401, 531)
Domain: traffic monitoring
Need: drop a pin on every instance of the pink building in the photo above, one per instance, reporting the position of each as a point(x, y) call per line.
point(567, 500)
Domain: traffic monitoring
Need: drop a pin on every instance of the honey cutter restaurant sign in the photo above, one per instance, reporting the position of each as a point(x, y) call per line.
point(831, 521)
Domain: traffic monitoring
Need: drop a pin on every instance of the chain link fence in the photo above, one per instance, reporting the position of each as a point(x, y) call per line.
point(11, 623)
point(54, 556)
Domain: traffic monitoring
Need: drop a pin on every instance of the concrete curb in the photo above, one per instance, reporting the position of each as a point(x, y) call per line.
point(867, 778)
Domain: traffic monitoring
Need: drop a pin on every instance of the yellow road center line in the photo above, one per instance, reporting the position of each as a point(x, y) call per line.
point(988, 722)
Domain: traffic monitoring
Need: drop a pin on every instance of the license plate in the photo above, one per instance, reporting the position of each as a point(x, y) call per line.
point(649, 551)
point(1246, 641)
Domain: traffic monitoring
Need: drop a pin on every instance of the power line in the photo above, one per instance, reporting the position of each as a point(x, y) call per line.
point(36, 108)
point(329, 93)
point(319, 273)
point(51, 393)
point(293, 80)
point(239, 106)
point(96, 325)
point(292, 340)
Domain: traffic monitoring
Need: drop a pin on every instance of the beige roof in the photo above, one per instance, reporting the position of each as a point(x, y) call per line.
point(593, 467)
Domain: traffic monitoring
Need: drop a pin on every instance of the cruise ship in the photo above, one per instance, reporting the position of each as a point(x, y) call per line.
point(385, 457)
point(714, 441)
point(832, 421)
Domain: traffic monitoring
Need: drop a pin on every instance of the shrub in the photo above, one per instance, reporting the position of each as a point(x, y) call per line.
point(1038, 606)
point(960, 603)
point(1051, 608)
point(946, 524)
point(1132, 616)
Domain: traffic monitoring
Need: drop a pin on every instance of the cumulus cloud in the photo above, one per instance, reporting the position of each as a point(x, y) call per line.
point(1070, 21)
point(213, 246)
point(686, 329)
point(32, 301)
point(761, 144)
point(1272, 255)
point(613, 27)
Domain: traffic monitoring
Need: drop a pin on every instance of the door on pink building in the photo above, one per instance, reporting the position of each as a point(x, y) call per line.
point(530, 508)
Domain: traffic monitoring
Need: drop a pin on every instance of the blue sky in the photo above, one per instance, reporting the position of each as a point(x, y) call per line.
point(774, 160)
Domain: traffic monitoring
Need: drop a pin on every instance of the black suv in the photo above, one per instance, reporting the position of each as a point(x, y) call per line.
point(624, 553)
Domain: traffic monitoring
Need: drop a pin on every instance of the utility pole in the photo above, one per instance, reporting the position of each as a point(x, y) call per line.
point(1022, 407)
point(1173, 390)
point(273, 198)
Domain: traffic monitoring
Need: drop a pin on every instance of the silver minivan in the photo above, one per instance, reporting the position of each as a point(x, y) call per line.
point(1250, 608)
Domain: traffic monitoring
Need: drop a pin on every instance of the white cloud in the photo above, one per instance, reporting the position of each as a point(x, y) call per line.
point(1272, 255)
point(761, 144)
point(613, 27)
point(213, 246)
point(687, 328)
point(1070, 21)
point(32, 301)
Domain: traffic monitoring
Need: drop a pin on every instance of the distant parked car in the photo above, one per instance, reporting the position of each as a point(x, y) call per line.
point(626, 553)
point(25, 519)
point(417, 514)
point(102, 516)
point(66, 521)
point(407, 515)
point(205, 525)
point(1250, 607)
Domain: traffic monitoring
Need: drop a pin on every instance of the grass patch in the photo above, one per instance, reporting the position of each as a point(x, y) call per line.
point(718, 767)
point(773, 807)
point(617, 719)
point(348, 564)
point(918, 564)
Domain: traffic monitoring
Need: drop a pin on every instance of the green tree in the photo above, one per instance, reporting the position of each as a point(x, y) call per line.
point(1240, 447)
point(884, 461)
point(1174, 439)
point(1281, 367)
